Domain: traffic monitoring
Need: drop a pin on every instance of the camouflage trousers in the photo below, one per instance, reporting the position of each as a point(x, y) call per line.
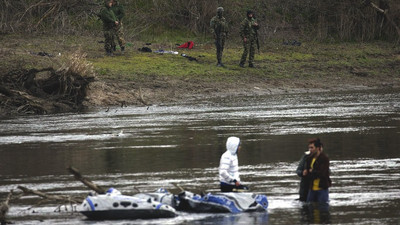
point(219, 43)
point(109, 39)
point(249, 48)
point(119, 34)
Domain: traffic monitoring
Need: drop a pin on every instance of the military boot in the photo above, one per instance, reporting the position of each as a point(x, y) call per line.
point(109, 53)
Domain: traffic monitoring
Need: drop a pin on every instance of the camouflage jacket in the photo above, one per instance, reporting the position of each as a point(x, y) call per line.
point(108, 17)
point(248, 28)
point(218, 26)
point(118, 10)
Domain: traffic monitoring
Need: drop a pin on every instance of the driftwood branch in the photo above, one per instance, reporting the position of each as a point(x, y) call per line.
point(57, 198)
point(178, 186)
point(4, 208)
point(85, 181)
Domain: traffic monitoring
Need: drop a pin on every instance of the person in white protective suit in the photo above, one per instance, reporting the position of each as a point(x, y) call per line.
point(229, 167)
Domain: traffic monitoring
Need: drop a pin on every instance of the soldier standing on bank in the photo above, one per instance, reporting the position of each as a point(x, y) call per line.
point(219, 30)
point(110, 22)
point(119, 12)
point(248, 33)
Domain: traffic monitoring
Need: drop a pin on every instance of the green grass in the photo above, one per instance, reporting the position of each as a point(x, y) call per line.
point(276, 61)
point(313, 59)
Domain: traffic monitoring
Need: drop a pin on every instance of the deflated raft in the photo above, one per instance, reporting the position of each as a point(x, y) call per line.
point(115, 206)
point(232, 202)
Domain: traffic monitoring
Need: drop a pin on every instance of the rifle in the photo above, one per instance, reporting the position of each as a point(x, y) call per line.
point(217, 32)
point(218, 41)
point(258, 43)
point(256, 31)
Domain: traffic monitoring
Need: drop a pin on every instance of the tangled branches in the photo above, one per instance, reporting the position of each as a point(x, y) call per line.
point(39, 15)
point(45, 198)
point(42, 91)
point(341, 19)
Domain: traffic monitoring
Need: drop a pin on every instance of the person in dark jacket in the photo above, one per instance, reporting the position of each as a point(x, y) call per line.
point(317, 170)
point(110, 22)
point(304, 180)
point(119, 12)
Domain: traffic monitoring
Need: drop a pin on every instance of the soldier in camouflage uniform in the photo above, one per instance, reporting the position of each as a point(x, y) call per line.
point(248, 33)
point(119, 12)
point(110, 22)
point(219, 30)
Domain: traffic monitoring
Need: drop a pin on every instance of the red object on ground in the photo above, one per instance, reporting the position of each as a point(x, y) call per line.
point(188, 45)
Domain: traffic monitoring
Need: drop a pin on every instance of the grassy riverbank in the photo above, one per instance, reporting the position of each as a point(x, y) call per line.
point(136, 77)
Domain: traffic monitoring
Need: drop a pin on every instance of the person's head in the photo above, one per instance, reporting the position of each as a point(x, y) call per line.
point(220, 11)
point(109, 3)
point(233, 145)
point(314, 146)
point(250, 13)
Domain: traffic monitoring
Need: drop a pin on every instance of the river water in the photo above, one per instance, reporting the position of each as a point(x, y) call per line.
point(144, 148)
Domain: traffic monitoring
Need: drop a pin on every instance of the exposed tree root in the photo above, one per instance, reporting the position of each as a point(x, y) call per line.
point(42, 91)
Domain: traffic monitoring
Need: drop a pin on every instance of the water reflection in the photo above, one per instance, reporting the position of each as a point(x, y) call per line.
point(315, 213)
point(139, 148)
point(242, 218)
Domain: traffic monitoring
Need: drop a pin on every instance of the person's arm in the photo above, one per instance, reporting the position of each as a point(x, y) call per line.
point(223, 170)
point(255, 25)
point(301, 167)
point(243, 30)
point(225, 27)
point(323, 168)
point(212, 26)
point(121, 12)
point(107, 16)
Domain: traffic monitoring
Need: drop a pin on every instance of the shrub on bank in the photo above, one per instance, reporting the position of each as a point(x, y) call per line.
point(344, 20)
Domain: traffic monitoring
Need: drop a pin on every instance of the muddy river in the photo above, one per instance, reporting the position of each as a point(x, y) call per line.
point(145, 148)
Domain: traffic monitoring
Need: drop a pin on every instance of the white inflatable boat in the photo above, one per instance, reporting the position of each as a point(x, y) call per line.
point(115, 206)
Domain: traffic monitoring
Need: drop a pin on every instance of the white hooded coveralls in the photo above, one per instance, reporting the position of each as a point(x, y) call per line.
point(229, 165)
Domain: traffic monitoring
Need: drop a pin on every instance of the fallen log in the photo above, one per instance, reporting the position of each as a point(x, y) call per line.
point(85, 181)
point(57, 198)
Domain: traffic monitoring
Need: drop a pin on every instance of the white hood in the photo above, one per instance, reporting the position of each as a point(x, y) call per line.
point(232, 144)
